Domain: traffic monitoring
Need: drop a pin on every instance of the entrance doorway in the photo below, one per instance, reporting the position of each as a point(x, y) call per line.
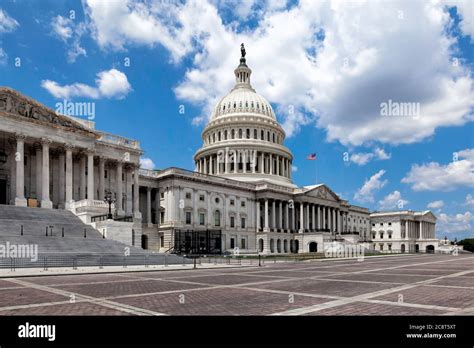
point(3, 191)
point(313, 247)
point(430, 249)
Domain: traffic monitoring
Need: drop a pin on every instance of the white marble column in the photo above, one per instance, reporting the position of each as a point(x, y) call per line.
point(119, 183)
point(82, 173)
point(158, 206)
point(319, 217)
point(101, 178)
point(273, 215)
point(39, 170)
point(280, 215)
point(258, 215)
point(307, 217)
point(136, 194)
point(211, 165)
point(301, 229)
point(69, 184)
point(218, 163)
point(45, 199)
point(61, 179)
point(271, 164)
point(236, 162)
point(148, 205)
point(313, 211)
point(205, 165)
point(262, 163)
point(293, 217)
point(244, 162)
point(278, 165)
point(90, 174)
point(265, 228)
point(20, 199)
point(323, 216)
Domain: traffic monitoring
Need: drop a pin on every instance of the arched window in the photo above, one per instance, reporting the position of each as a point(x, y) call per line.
point(273, 137)
point(213, 137)
point(240, 133)
point(268, 136)
point(219, 136)
point(262, 134)
point(232, 134)
point(255, 134)
point(225, 134)
point(246, 104)
point(248, 133)
point(217, 218)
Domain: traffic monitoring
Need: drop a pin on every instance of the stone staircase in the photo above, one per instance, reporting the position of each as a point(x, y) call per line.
point(44, 228)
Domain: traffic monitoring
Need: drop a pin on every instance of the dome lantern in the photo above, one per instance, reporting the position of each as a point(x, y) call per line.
point(242, 72)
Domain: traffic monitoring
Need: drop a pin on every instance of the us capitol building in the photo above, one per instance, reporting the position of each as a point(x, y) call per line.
point(239, 197)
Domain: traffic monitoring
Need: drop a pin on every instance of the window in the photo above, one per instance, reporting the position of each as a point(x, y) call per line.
point(217, 200)
point(188, 195)
point(242, 243)
point(381, 246)
point(232, 243)
point(381, 224)
point(381, 235)
point(105, 174)
point(389, 236)
point(201, 198)
point(162, 216)
point(232, 202)
point(162, 195)
point(188, 218)
point(201, 219)
point(390, 224)
point(217, 218)
point(242, 204)
point(390, 247)
point(242, 223)
point(232, 222)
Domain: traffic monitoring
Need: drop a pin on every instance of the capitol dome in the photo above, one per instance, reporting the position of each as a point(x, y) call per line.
point(243, 139)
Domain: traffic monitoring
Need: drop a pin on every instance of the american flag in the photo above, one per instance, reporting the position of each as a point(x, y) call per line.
point(311, 157)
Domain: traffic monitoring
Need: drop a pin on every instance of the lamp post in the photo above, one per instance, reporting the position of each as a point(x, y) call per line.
point(109, 200)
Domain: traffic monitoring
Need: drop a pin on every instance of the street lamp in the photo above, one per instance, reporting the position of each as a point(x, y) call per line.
point(109, 200)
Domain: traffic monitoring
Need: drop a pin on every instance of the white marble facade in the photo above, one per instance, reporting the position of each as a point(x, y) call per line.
point(242, 183)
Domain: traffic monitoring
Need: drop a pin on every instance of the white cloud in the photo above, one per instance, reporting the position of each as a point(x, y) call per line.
point(7, 23)
point(469, 200)
point(334, 61)
point(437, 177)
point(147, 163)
point(366, 192)
point(70, 33)
point(362, 158)
point(109, 84)
point(436, 205)
point(393, 200)
point(455, 223)
point(3, 57)
point(465, 9)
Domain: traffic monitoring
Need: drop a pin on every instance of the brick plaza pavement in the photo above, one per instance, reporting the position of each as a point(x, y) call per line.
point(401, 285)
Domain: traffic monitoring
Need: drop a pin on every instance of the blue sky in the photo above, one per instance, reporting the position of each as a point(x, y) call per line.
point(325, 66)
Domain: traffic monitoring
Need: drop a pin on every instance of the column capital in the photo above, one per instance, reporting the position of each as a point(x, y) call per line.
point(45, 141)
point(20, 136)
point(90, 151)
point(68, 146)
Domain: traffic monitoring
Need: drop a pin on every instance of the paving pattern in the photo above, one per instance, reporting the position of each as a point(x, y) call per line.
point(400, 285)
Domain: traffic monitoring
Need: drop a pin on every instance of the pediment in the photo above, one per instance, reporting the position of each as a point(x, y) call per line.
point(323, 192)
point(15, 104)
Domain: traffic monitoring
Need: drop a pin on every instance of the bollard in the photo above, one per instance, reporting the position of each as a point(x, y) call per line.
point(46, 231)
point(259, 260)
point(62, 232)
point(85, 233)
point(194, 263)
point(21, 232)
